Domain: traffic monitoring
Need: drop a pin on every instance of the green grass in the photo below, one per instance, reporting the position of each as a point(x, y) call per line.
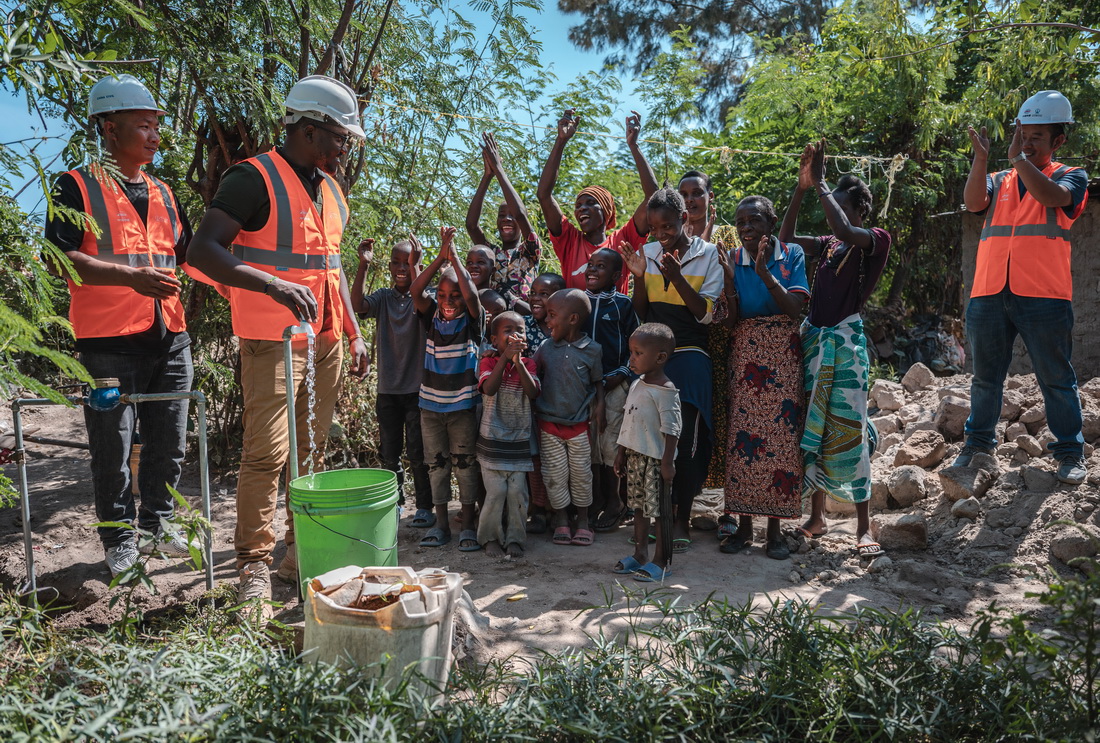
point(707, 672)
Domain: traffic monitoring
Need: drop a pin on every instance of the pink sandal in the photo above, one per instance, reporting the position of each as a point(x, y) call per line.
point(583, 538)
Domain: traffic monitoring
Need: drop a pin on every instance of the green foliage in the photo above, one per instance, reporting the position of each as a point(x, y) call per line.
point(711, 671)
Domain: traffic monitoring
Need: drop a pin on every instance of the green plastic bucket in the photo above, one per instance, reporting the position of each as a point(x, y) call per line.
point(344, 517)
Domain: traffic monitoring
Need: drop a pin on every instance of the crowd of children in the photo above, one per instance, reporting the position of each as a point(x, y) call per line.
point(559, 401)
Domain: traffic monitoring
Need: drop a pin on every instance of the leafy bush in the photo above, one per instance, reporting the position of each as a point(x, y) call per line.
point(711, 671)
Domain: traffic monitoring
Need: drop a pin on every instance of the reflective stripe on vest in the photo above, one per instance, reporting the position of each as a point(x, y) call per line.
point(297, 244)
point(1023, 245)
point(124, 240)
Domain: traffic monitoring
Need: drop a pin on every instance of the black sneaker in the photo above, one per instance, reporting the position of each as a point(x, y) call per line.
point(966, 456)
point(1071, 470)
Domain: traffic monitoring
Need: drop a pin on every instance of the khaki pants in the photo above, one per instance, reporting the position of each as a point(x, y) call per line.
point(266, 438)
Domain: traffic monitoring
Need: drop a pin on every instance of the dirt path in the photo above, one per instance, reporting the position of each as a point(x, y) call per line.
point(559, 583)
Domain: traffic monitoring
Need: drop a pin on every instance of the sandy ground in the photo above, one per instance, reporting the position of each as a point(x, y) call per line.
point(561, 584)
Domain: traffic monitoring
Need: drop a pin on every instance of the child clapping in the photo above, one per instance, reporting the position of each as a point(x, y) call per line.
point(508, 385)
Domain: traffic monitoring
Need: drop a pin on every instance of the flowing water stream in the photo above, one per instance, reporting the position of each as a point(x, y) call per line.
point(311, 397)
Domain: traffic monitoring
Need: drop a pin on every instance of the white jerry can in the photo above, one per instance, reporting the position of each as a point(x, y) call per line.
point(395, 616)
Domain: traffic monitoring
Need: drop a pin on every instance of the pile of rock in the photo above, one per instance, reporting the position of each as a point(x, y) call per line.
point(919, 500)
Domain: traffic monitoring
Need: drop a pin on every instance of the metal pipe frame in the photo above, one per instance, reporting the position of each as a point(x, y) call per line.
point(20, 456)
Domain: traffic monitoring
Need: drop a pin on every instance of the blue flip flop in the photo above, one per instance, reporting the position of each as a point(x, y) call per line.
point(628, 565)
point(435, 537)
point(468, 535)
point(650, 573)
point(423, 519)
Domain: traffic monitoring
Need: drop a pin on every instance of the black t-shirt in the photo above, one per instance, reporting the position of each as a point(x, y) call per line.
point(242, 193)
point(69, 237)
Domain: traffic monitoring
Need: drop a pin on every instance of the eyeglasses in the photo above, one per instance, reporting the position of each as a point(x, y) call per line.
point(343, 141)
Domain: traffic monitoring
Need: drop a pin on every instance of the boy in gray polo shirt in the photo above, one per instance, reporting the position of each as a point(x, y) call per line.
point(399, 340)
point(569, 365)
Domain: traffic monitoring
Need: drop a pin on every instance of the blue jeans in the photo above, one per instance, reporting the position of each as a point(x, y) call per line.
point(1046, 326)
point(163, 426)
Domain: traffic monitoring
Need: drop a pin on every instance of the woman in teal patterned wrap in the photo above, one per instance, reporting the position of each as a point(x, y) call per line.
point(836, 455)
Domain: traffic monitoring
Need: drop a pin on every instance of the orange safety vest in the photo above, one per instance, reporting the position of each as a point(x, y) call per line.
point(298, 245)
point(1031, 238)
point(108, 311)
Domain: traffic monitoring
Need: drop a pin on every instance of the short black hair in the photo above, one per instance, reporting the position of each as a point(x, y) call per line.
point(1057, 130)
point(575, 301)
point(696, 174)
point(616, 257)
point(657, 333)
point(763, 203)
point(555, 280)
point(667, 198)
point(486, 250)
point(513, 316)
point(491, 295)
point(857, 191)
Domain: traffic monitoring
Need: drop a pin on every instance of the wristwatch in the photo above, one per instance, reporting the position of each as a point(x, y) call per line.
point(1018, 158)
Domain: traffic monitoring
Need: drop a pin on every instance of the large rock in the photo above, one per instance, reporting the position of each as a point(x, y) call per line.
point(1030, 444)
point(967, 482)
point(1037, 413)
point(1073, 542)
point(925, 424)
point(1091, 389)
point(907, 485)
point(951, 415)
point(880, 494)
point(910, 413)
point(1014, 431)
point(906, 531)
point(887, 395)
point(1038, 481)
point(967, 508)
point(924, 449)
point(1090, 418)
point(919, 377)
point(886, 424)
point(954, 390)
point(1011, 404)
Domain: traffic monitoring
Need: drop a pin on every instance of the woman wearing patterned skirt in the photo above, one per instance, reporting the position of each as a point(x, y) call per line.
point(765, 289)
point(851, 260)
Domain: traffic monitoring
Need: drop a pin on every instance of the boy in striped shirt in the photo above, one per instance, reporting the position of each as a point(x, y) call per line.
point(455, 326)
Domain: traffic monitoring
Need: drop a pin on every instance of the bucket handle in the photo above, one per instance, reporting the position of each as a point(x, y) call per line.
point(348, 536)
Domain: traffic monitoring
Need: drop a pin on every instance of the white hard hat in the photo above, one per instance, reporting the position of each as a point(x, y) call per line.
point(1046, 107)
point(321, 97)
point(120, 93)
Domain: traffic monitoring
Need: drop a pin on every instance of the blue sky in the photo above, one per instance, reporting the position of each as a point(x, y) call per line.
point(551, 28)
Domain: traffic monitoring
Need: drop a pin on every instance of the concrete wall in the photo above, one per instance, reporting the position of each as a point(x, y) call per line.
point(1086, 288)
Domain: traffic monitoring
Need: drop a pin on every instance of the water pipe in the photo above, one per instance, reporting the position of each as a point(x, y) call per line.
point(288, 365)
point(105, 397)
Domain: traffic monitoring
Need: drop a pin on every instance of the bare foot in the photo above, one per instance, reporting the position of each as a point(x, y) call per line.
point(515, 551)
point(492, 549)
point(814, 528)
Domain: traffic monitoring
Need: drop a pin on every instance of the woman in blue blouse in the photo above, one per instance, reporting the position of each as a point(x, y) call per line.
point(765, 290)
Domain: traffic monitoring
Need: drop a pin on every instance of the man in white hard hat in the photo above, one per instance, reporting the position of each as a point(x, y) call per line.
point(272, 237)
point(127, 316)
point(1022, 281)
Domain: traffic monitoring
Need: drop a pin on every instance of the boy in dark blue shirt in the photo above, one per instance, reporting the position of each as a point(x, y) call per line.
point(610, 324)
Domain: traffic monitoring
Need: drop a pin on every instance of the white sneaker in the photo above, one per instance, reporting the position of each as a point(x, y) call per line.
point(121, 556)
point(288, 568)
point(164, 544)
point(255, 588)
